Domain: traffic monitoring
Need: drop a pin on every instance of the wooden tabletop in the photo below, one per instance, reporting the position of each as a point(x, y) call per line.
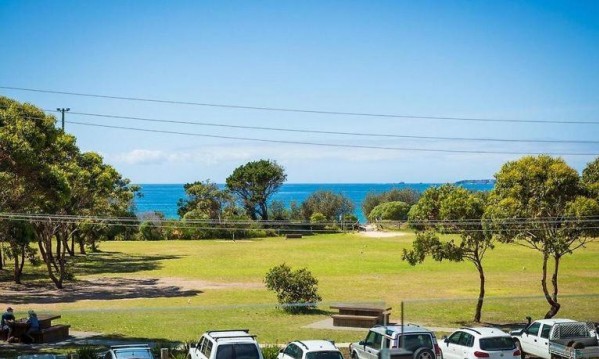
point(372, 308)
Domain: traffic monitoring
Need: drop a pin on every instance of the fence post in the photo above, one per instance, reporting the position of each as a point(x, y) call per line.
point(163, 353)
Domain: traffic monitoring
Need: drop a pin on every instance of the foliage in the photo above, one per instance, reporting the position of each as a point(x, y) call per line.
point(330, 204)
point(372, 199)
point(205, 200)
point(254, 183)
point(296, 290)
point(390, 211)
point(151, 227)
point(590, 178)
point(86, 352)
point(270, 351)
point(540, 202)
point(451, 209)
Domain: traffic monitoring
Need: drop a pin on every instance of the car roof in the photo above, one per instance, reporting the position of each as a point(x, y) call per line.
point(554, 321)
point(228, 336)
point(391, 329)
point(316, 345)
point(487, 331)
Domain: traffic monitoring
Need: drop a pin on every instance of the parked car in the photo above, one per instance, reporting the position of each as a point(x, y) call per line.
point(137, 351)
point(310, 349)
point(479, 342)
point(555, 338)
point(417, 342)
point(226, 344)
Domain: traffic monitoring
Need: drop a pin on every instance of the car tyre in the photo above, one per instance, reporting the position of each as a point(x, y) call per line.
point(424, 353)
point(354, 355)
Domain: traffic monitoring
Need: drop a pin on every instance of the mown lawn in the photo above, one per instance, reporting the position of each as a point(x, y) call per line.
point(349, 267)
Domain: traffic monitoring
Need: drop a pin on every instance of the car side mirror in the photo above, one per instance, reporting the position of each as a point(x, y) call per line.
point(362, 342)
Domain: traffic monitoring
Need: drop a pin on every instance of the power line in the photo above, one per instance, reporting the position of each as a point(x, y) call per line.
point(358, 134)
point(407, 149)
point(297, 110)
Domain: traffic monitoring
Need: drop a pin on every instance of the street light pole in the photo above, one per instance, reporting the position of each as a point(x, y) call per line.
point(63, 110)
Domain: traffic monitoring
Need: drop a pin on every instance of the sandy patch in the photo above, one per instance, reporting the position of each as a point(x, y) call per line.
point(381, 234)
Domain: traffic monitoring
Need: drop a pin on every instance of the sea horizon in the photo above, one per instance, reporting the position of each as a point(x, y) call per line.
point(164, 197)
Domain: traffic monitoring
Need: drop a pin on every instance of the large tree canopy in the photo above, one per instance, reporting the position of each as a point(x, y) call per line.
point(539, 202)
point(43, 172)
point(330, 204)
point(451, 209)
point(254, 183)
point(372, 199)
point(205, 201)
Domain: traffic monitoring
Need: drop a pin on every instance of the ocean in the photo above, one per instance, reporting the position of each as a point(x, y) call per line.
point(164, 197)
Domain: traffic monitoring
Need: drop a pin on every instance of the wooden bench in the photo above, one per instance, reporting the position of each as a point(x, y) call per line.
point(359, 321)
point(55, 333)
point(293, 235)
point(348, 313)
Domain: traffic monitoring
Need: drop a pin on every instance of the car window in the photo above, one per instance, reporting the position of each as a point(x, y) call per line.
point(370, 338)
point(533, 329)
point(293, 351)
point(207, 348)
point(545, 331)
point(497, 343)
point(454, 338)
point(466, 340)
point(415, 341)
point(237, 351)
point(200, 343)
point(324, 355)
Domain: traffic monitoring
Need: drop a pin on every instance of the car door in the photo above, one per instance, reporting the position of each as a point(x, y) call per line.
point(372, 345)
point(530, 339)
point(292, 351)
point(544, 341)
point(195, 351)
point(450, 346)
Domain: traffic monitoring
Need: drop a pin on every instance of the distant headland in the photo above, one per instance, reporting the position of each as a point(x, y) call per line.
point(479, 181)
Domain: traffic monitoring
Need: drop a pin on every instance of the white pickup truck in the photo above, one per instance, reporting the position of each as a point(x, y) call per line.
point(557, 338)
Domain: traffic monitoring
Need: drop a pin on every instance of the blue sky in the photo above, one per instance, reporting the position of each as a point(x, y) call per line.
point(534, 60)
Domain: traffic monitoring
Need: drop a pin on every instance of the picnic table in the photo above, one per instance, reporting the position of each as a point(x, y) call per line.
point(48, 333)
point(363, 316)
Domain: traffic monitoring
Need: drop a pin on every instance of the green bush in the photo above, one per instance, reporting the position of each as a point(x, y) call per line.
point(390, 211)
point(296, 290)
point(270, 352)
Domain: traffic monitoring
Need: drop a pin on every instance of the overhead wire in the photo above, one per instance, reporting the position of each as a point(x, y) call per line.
point(407, 149)
point(344, 133)
point(297, 110)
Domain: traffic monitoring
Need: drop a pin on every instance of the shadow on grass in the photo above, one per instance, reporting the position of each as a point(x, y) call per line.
point(38, 289)
point(506, 327)
point(116, 262)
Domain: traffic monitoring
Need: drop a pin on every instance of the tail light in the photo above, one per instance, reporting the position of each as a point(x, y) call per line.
point(438, 351)
point(481, 354)
point(517, 353)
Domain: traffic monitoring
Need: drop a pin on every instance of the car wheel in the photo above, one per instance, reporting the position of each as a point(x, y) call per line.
point(354, 355)
point(424, 353)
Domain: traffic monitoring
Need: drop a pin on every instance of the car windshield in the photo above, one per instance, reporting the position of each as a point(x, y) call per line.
point(332, 354)
point(497, 343)
point(237, 351)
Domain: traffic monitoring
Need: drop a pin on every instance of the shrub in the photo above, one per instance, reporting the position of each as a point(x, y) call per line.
point(390, 211)
point(270, 352)
point(296, 290)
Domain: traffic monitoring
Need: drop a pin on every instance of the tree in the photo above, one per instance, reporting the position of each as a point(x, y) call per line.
point(296, 290)
point(540, 202)
point(451, 209)
point(330, 204)
point(254, 183)
point(406, 195)
point(590, 178)
point(205, 200)
point(390, 211)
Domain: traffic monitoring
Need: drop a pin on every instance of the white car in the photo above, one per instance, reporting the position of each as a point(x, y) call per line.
point(310, 349)
point(226, 344)
point(137, 351)
point(415, 341)
point(480, 342)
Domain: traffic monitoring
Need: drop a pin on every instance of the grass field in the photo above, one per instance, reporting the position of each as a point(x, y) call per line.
point(218, 285)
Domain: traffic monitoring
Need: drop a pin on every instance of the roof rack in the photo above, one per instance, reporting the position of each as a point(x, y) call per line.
point(302, 343)
point(228, 330)
point(474, 330)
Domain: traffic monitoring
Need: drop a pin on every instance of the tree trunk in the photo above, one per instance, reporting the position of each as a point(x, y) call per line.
point(16, 274)
point(19, 272)
point(554, 308)
point(554, 305)
point(481, 293)
point(81, 241)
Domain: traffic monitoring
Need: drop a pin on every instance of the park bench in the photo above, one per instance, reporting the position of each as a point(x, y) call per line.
point(293, 235)
point(362, 316)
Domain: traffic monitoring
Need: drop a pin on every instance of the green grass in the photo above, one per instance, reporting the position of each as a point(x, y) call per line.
point(350, 268)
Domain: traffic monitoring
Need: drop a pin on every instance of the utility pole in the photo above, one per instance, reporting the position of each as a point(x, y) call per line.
point(63, 110)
